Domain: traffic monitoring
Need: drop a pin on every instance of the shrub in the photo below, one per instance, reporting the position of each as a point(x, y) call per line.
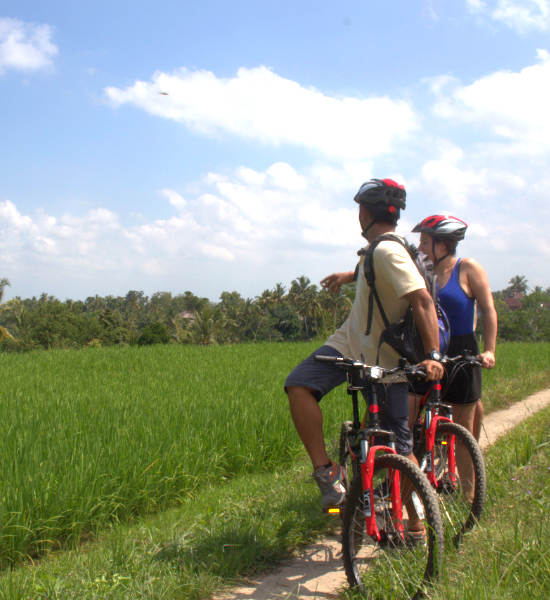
point(156, 333)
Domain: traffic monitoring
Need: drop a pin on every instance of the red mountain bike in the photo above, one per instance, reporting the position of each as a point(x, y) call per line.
point(450, 456)
point(386, 490)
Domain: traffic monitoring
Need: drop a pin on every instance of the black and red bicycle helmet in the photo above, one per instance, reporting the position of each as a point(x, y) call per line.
point(442, 227)
point(381, 192)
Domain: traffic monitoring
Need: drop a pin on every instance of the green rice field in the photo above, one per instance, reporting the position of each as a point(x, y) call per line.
point(97, 436)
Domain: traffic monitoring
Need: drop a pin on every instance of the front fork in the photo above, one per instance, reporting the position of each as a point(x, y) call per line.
point(432, 422)
point(367, 471)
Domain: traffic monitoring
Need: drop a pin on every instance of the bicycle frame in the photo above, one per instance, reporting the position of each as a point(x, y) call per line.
point(368, 451)
point(431, 403)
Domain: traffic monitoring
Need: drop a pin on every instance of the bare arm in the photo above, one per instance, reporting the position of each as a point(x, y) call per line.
point(335, 281)
point(425, 318)
point(478, 283)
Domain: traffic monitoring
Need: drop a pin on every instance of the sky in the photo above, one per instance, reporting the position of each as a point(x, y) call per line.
point(215, 146)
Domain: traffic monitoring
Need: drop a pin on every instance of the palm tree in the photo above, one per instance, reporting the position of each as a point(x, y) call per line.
point(271, 297)
point(278, 292)
point(303, 296)
point(333, 310)
point(205, 326)
point(3, 283)
point(517, 286)
point(4, 333)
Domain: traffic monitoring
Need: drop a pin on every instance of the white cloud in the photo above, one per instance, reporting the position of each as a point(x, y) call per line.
point(478, 230)
point(475, 5)
point(453, 185)
point(25, 46)
point(10, 214)
point(520, 15)
point(214, 251)
point(513, 105)
point(174, 198)
point(276, 204)
point(506, 211)
point(493, 172)
point(259, 105)
point(153, 267)
point(523, 15)
point(286, 178)
point(326, 227)
point(247, 229)
point(244, 221)
point(482, 191)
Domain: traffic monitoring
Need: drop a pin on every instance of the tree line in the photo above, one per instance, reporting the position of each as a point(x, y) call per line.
point(523, 315)
point(301, 312)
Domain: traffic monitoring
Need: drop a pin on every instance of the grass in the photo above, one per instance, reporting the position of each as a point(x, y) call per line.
point(188, 552)
point(165, 472)
point(521, 369)
point(508, 556)
point(101, 435)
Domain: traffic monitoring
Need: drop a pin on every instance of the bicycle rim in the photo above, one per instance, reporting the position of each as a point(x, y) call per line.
point(394, 567)
point(461, 496)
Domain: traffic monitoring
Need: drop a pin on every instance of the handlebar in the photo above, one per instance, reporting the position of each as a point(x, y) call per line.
point(467, 358)
point(372, 372)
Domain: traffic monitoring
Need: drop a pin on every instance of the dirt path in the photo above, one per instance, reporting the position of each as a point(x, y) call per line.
point(317, 573)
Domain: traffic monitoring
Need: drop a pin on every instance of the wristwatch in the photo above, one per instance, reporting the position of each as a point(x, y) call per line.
point(433, 355)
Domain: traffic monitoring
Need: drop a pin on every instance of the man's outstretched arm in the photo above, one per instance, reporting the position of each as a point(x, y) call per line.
point(334, 282)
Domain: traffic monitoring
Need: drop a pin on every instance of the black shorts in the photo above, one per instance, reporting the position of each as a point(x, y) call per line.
point(322, 377)
point(465, 386)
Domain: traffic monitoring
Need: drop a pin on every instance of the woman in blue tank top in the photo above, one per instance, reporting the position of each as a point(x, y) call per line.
point(463, 288)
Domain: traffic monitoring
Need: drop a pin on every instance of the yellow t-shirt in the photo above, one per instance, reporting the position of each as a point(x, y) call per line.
point(396, 275)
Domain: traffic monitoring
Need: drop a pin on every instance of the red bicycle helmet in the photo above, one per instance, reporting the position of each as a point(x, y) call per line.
point(442, 227)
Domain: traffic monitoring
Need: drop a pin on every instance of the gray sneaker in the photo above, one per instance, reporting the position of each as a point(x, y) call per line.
point(331, 482)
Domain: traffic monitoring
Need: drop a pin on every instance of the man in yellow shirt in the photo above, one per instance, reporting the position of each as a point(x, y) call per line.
point(399, 284)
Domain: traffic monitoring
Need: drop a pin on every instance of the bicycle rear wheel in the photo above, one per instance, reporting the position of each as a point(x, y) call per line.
point(461, 491)
point(395, 566)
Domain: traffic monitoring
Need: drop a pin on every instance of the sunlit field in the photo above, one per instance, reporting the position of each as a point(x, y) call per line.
point(103, 435)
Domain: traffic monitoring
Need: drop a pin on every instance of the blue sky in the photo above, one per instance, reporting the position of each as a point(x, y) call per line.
point(211, 146)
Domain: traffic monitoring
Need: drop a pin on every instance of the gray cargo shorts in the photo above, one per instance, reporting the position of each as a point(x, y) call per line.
point(321, 378)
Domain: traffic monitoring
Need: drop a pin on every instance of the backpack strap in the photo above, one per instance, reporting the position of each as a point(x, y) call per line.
point(368, 267)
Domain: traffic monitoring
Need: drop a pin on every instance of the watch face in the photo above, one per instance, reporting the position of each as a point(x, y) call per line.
point(435, 355)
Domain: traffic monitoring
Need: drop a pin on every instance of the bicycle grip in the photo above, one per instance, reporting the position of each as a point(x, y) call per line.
point(415, 371)
point(326, 358)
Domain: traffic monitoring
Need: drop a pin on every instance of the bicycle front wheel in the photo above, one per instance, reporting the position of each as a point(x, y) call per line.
point(396, 566)
point(461, 479)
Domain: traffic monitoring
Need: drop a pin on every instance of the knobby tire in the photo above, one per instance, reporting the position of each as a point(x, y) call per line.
point(391, 568)
point(459, 514)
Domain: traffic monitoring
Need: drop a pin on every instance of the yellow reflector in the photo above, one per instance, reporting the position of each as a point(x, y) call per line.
point(334, 511)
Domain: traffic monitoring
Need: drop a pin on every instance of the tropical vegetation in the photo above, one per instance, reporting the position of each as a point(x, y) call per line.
point(303, 312)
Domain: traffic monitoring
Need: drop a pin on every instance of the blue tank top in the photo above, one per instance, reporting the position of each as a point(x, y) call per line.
point(460, 308)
